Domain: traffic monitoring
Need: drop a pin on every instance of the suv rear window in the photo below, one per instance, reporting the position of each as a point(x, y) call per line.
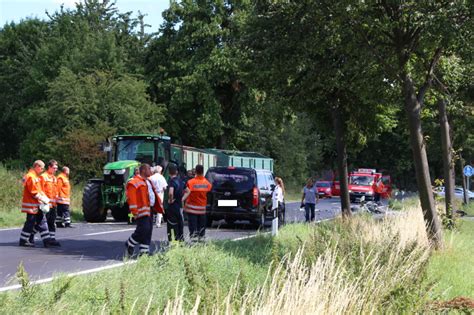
point(236, 179)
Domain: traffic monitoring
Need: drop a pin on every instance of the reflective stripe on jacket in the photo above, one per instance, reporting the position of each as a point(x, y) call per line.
point(137, 197)
point(31, 189)
point(49, 185)
point(197, 199)
point(64, 190)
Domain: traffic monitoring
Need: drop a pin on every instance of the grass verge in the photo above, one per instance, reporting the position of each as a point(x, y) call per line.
point(359, 266)
point(453, 267)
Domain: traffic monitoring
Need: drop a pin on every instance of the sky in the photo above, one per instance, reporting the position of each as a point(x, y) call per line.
point(16, 10)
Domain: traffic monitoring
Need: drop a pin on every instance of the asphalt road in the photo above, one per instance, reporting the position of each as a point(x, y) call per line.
point(93, 245)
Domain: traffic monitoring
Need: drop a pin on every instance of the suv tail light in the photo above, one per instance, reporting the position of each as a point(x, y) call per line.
point(256, 194)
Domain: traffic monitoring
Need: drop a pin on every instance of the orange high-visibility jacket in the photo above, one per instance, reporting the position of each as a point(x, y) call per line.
point(49, 185)
point(137, 197)
point(197, 199)
point(31, 192)
point(64, 190)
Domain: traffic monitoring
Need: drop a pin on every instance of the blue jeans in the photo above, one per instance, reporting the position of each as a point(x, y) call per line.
point(309, 210)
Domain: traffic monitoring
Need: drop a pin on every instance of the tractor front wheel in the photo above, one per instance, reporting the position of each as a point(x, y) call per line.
point(92, 206)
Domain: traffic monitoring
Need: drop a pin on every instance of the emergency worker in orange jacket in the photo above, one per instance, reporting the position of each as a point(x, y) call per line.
point(64, 199)
point(33, 199)
point(138, 200)
point(195, 202)
point(379, 188)
point(49, 185)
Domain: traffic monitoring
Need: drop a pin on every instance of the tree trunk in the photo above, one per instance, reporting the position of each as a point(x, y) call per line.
point(448, 163)
point(413, 110)
point(341, 160)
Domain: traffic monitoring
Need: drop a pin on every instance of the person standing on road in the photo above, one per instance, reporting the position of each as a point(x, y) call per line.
point(138, 200)
point(174, 216)
point(49, 185)
point(63, 200)
point(159, 183)
point(278, 197)
point(33, 201)
point(379, 188)
point(309, 200)
point(195, 202)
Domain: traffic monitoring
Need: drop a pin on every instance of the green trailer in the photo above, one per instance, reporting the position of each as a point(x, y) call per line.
point(190, 157)
point(243, 159)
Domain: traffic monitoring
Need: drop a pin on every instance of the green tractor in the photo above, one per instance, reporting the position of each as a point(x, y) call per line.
point(124, 154)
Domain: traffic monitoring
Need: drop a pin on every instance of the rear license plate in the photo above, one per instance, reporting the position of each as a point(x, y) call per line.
point(227, 203)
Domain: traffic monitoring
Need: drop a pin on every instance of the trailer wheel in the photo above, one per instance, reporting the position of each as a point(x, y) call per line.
point(92, 203)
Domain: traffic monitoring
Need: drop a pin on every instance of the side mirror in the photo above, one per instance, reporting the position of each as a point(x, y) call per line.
point(272, 187)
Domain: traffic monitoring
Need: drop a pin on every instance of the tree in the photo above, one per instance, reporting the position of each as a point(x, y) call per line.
point(19, 44)
point(100, 103)
point(195, 71)
point(302, 46)
point(408, 39)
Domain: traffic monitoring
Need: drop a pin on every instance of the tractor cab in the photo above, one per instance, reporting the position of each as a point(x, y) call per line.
point(151, 149)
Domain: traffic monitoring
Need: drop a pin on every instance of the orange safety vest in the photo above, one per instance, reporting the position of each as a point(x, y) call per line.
point(197, 199)
point(64, 190)
point(31, 190)
point(137, 197)
point(49, 185)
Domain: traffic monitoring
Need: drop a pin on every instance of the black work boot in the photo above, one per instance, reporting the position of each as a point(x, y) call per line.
point(130, 250)
point(24, 243)
point(59, 225)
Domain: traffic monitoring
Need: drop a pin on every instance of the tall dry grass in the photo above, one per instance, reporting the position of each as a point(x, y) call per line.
point(399, 252)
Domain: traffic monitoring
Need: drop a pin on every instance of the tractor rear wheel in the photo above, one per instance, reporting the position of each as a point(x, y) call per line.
point(120, 214)
point(92, 206)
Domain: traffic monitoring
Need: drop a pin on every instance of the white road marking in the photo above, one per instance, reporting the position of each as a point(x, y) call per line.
point(10, 229)
point(84, 272)
point(107, 232)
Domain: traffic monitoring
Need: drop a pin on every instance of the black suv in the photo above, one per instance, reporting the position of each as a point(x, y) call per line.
point(240, 193)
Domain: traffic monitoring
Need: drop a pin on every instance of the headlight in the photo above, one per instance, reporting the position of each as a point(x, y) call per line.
point(106, 172)
point(120, 172)
point(370, 193)
point(350, 191)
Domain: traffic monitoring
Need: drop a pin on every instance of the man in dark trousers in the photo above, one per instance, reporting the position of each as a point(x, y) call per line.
point(174, 216)
point(138, 201)
point(195, 199)
point(35, 204)
point(49, 185)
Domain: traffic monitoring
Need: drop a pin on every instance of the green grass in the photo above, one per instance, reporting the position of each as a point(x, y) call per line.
point(453, 267)
point(11, 191)
point(469, 208)
point(217, 269)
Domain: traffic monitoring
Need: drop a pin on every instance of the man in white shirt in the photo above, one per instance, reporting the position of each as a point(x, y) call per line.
point(159, 183)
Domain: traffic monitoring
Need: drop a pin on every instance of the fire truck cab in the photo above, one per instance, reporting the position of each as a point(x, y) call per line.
point(364, 182)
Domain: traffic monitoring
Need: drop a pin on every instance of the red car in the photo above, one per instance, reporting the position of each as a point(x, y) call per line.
point(324, 188)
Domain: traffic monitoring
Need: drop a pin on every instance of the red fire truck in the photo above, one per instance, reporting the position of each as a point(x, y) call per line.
point(365, 182)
